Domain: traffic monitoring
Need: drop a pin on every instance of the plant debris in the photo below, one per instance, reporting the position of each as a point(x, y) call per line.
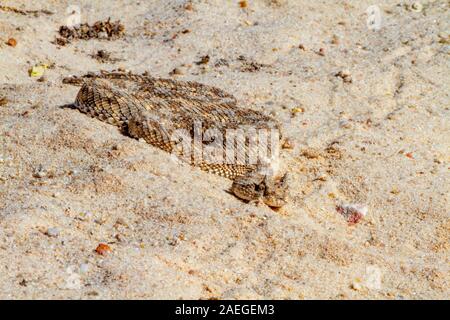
point(99, 30)
point(203, 60)
point(222, 63)
point(250, 66)
point(25, 12)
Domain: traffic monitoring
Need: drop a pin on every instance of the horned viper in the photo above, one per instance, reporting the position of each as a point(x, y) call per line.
point(200, 124)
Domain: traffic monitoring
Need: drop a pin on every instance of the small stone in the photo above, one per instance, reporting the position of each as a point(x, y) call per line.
point(121, 221)
point(84, 216)
point(416, 7)
point(296, 110)
point(11, 42)
point(40, 174)
point(444, 37)
point(357, 285)
point(3, 101)
point(100, 221)
point(37, 70)
point(353, 213)
point(84, 268)
point(243, 4)
point(177, 71)
point(345, 76)
point(103, 249)
point(52, 232)
point(335, 39)
point(321, 52)
point(119, 237)
point(288, 144)
point(103, 35)
point(345, 124)
point(73, 172)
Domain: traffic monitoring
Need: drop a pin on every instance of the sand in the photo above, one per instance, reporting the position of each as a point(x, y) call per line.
point(366, 109)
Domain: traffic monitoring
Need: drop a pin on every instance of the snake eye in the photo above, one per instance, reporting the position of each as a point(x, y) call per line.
point(261, 187)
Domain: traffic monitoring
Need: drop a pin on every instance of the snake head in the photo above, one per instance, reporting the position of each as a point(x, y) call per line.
point(256, 187)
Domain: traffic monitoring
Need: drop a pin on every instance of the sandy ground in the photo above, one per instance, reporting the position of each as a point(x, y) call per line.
point(377, 135)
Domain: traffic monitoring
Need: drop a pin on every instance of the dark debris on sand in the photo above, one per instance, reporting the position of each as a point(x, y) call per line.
point(99, 30)
point(104, 56)
point(36, 13)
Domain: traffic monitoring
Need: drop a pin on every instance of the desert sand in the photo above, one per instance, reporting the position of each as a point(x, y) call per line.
point(361, 92)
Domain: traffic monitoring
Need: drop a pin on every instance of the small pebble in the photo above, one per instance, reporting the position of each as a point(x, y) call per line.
point(84, 268)
point(11, 42)
point(103, 249)
point(177, 71)
point(357, 285)
point(121, 221)
point(345, 76)
point(3, 101)
point(345, 124)
point(335, 39)
point(296, 110)
point(287, 144)
point(85, 216)
point(103, 35)
point(119, 237)
point(353, 213)
point(73, 172)
point(52, 232)
point(243, 4)
point(409, 155)
point(416, 7)
point(40, 174)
